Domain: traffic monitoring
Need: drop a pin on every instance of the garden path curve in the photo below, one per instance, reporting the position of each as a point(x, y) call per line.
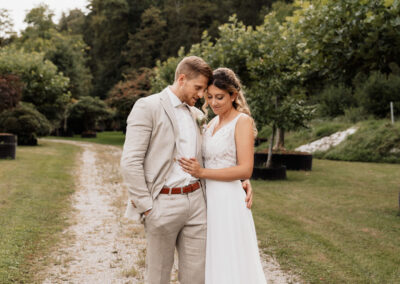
point(100, 246)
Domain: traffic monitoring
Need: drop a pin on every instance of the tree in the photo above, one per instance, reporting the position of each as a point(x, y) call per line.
point(123, 95)
point(44, 85)
point(40, 22)
point(26, 122)
point(10, 91)
point(107, 34)
point(67, 52)
point(144, 46)
point(86, 114)
point(73, 23)
point(339, 39)
point(6, 27)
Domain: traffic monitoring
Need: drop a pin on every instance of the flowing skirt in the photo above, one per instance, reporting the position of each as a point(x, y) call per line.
point(232, 254)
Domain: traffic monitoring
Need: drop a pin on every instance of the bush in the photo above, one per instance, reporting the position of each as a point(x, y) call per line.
point(86, 114)
point(26, 122)
point(354, 114)
point(376, 92)
point(334, 99)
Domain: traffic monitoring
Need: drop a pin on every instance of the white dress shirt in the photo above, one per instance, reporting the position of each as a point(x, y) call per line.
point(186, 147)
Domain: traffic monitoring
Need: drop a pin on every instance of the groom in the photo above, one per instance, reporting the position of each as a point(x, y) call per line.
point(161, 129)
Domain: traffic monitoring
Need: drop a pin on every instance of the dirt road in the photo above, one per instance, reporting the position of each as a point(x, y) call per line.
point(100, 246)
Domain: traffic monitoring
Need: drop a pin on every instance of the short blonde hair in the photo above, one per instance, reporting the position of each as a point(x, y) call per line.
point(192, 66)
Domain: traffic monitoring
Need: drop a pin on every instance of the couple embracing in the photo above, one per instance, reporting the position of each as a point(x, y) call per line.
point(184, 179)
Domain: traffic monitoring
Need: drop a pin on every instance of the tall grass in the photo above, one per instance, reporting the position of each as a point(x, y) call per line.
point(34, 192)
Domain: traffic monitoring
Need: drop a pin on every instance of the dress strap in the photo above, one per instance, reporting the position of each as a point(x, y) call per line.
point(237, 117)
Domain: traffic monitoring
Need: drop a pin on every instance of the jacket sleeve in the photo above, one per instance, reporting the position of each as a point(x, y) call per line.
point(137, 139)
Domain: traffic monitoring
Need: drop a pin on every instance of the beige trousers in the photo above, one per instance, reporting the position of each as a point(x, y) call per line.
point(176, 220)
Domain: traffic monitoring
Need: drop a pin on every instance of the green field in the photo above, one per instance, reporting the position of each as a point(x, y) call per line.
point(338, 223)
point(34, 192)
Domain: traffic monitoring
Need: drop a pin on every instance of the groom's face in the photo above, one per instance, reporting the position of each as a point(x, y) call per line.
point(193, 89)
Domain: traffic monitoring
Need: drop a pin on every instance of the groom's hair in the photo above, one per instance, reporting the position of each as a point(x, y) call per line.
point(193, 66)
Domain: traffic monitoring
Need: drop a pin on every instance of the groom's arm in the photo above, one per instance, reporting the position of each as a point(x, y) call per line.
point(137, 139)
point(249, 192)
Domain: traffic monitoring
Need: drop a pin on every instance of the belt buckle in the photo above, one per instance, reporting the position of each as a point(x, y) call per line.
point(181, 189)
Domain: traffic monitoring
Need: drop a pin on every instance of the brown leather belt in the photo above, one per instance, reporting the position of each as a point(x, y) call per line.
point(181, 190)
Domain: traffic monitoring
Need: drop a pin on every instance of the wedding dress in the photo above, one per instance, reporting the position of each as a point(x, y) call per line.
point(232, 255)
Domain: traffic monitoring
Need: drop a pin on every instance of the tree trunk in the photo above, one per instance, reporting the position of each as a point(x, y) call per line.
point(271, 141)
point(280, 139)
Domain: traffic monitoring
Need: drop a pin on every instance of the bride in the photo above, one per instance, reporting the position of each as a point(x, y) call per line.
point(232, 254)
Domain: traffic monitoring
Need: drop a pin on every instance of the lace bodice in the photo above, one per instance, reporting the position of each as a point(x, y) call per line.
point(219, 150)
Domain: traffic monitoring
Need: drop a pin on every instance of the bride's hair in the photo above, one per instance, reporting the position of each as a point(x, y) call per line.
point(225, 79)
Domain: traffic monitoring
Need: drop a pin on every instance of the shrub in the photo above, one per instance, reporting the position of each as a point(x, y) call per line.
point(26, 122)
point(86, 114)
point(376, 92)
point(354, 114)
point(334, 99)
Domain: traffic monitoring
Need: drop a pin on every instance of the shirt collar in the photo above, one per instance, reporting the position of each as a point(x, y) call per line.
point(175, 101)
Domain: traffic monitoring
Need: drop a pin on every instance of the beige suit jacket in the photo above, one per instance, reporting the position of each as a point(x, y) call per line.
point(149, 149)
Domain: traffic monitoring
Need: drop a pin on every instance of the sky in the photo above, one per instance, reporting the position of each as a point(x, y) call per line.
point(18, 9)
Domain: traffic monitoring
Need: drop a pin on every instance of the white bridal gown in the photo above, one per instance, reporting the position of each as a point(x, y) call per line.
point(232, 255)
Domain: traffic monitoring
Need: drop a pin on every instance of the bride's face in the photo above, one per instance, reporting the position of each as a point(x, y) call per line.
point(219, 100)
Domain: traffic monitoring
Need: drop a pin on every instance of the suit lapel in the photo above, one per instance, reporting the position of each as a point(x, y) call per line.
point(166, 104)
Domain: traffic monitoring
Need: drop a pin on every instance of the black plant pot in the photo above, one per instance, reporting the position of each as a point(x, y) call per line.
point(89, 134)
point(292, 161)
point(273, 173)
point(8, 144)
point(258, 141)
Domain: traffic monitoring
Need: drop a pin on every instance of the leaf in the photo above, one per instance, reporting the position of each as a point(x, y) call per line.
point(388, 3)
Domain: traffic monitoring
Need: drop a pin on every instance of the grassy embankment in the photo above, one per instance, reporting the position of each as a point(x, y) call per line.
point(375, 140)
point(339, 223)
point(34, 192)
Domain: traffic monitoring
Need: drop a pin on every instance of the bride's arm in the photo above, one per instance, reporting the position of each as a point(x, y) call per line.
point(244, 138)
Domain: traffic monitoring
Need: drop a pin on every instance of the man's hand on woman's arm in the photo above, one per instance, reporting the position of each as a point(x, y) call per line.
point(249, 192)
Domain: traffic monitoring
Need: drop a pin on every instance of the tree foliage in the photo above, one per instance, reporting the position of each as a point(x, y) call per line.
point(86, 114)
point(26, 122)
point(375, 93)
point(10, 91)
point(123, 95)
point(144, 45)
point(44, 85)
point(66, 51)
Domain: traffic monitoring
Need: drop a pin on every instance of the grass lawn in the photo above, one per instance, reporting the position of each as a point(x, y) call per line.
point(34, 192)
point(336, 224)
point(116, 138)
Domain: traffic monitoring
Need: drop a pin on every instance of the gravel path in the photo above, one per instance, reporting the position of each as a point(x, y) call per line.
point(100, 246)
